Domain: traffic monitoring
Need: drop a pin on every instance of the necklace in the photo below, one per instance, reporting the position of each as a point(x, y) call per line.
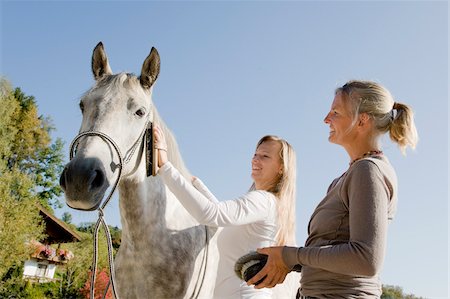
point(368, 154)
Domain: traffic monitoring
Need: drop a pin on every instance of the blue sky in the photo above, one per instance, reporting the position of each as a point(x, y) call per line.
point(234, 71)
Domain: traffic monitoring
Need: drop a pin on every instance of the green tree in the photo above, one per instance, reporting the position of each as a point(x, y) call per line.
point(29, 166)
point(116, 236)
point(116, 233)
point(31, 150)
point(19, 218)
point(66, 217)
point(396, 292)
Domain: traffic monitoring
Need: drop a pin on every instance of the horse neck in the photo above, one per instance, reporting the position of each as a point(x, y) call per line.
point(140, 208)
point(147, 202)
point(173, 152)
point(150, 204)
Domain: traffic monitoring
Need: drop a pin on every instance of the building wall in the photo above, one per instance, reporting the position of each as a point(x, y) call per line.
point(39, 269)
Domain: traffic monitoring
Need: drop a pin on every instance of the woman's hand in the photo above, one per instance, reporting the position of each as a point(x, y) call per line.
point(275, 269)
point(160, 145)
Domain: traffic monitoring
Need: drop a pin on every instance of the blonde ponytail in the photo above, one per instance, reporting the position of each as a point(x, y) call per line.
point(403, 130)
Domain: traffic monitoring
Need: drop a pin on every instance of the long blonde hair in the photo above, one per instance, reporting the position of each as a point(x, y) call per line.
point(388, 116)
point(285, 191)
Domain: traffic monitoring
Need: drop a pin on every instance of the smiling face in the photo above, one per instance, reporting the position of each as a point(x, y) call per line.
point(266, 165)
point(340, 121)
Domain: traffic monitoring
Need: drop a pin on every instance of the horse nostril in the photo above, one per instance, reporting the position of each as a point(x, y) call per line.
point(97, 179)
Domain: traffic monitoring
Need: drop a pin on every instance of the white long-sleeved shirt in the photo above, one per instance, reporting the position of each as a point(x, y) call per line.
point(249, 221)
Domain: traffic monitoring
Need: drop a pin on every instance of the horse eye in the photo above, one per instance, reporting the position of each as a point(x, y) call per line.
point(81, 106)
point(140, 112)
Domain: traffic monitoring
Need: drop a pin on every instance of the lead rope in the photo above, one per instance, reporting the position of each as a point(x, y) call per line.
point(101, 219)
point(110, 257)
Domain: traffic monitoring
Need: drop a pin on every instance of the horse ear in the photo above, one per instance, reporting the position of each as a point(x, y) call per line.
point(150, 69)
point(100, 65)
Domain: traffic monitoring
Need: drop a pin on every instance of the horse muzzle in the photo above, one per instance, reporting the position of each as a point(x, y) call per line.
point(84, 183)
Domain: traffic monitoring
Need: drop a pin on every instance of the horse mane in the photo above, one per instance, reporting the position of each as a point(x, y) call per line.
point(173, 152)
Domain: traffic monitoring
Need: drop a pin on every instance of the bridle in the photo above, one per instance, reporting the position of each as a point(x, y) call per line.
point(101, 220)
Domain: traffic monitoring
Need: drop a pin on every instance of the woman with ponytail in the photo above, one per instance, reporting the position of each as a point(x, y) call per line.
point(344, 252)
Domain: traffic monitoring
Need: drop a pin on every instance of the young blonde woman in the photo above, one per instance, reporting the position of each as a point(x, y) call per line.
point(264, 216)
point(345, 249)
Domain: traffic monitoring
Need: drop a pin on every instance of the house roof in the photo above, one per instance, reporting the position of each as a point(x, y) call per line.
point(57, 231)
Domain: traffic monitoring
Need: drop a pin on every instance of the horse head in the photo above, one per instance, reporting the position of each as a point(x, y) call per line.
point(116, 112)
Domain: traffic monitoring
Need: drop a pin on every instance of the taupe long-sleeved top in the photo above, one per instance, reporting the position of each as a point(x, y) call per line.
point(347, 232)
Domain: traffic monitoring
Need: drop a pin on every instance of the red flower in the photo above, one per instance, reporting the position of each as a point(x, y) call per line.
point(101, 281)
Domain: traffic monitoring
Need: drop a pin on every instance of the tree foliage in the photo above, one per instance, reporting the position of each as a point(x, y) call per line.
point(396, 292)
point(29, 167)
point(116, 233)
point(19, 217)
point(19, 220)
point(26, 145)
point(67, 217)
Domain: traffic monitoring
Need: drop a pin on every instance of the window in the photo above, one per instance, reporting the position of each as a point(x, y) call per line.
point(41, 269)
